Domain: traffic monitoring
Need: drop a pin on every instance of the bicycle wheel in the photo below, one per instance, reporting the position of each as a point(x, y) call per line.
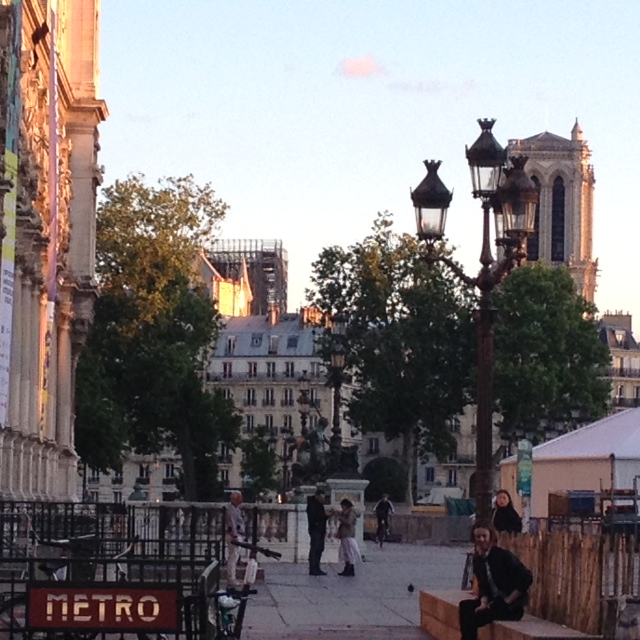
point(13, 618)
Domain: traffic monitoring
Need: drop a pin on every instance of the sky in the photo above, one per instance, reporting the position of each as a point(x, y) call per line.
point(309, 117)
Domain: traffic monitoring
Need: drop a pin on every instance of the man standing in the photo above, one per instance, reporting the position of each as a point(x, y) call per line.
point(234, 527)
point(317, 518)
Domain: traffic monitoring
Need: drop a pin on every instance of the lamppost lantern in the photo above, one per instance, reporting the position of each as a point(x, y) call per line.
point(339, 324)
point(486, 160)
point(338, 357)
point(431, 200)
point(519, 198)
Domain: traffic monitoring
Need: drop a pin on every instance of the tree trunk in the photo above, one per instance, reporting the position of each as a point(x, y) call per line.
point(407, 462)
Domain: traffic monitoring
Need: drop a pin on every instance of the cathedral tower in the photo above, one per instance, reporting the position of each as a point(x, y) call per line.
point(564, 216)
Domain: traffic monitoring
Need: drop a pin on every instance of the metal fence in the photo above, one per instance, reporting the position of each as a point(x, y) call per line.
point(166, 531)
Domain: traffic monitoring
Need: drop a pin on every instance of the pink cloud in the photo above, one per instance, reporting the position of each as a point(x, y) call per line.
point(363, 67)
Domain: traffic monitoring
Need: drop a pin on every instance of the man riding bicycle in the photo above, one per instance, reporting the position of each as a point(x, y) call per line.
point(383, 510)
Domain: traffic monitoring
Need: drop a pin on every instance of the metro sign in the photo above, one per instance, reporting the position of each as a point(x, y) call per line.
point(114, 608)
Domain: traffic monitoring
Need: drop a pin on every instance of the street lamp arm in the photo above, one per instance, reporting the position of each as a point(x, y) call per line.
point(432, 258)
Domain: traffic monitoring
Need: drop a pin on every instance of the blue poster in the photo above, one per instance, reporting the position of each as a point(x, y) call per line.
point(525, 467)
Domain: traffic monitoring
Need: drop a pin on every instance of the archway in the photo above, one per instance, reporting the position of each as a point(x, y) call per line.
point(385, 475)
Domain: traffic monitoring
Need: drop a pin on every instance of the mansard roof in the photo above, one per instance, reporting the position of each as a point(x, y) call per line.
point(617, 337)
point(252, 337)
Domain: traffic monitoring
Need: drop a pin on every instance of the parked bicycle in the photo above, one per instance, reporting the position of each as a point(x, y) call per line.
point(227, 607)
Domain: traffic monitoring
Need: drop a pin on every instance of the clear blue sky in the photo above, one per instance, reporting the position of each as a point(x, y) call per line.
point(309, 117)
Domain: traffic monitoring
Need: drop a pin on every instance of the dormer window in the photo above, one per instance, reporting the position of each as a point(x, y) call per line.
point(256, 339)
point(620, 336)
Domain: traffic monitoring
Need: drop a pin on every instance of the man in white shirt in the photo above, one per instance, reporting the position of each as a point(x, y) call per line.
point(235, 530)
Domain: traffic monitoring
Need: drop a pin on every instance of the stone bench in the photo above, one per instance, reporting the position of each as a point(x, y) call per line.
point(439, 618)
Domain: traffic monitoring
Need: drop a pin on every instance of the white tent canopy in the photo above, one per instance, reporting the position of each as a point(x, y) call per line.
point(603, 454)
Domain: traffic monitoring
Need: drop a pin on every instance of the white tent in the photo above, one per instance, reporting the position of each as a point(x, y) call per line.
point(600, 456)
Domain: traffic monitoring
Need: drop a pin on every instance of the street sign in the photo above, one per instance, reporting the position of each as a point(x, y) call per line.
point(116, 608)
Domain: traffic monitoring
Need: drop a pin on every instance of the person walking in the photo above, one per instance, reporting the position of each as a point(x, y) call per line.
point(505, 517)
point(235, 530)
point(383, 509)
point(503, 583)
point(317, 519)
point(348, 551)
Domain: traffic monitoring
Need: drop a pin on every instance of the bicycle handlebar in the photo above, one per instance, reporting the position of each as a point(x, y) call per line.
point(254, 547)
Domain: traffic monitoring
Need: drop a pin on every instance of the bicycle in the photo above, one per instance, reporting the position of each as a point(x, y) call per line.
point(227, 607)
point(13, 610)
point(383, 530)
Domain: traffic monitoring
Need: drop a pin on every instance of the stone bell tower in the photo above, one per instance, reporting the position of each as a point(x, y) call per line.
point(564, 217)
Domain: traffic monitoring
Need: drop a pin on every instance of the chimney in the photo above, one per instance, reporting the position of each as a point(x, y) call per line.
point(274, 316)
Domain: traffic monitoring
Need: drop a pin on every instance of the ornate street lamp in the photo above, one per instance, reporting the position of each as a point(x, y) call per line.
point(338, 362)
point(514, 201)
point(288, 447)
point(303, 403)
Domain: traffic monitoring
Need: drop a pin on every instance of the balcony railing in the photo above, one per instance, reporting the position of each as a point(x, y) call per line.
point(249, 402)
point(168, 481)
point(116, 480)
point(280, 376)
point(287, 402)
point(142, 480)
point(269, 402)
point(624, 372)
point(626, 402)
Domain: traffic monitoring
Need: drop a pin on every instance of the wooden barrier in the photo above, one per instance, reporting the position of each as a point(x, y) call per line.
point(579, 578)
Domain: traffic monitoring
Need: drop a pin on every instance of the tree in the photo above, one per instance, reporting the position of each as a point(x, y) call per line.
point(410, 336)
point(152, 325)
point(549, 361)
point(259, 462)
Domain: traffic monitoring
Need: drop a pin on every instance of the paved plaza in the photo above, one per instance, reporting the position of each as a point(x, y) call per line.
point(375, 604)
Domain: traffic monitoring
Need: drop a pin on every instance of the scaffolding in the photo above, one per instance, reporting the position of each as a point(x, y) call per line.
point(266, 263)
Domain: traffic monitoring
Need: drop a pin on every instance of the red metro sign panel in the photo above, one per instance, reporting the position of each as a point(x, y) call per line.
point(113, 608)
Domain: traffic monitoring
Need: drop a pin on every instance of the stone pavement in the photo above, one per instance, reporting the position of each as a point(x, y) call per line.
point(376, 604)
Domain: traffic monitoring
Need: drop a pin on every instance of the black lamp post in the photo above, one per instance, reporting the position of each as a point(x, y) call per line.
point(513, 197)
point(338, 361)
point(303, 403)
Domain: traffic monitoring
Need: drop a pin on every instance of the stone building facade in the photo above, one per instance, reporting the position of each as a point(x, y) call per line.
point(258, 361)
point(49, 102)
point(562, 170)
point(624, 374)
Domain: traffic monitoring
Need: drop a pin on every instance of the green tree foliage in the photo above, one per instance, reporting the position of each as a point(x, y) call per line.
point(385, 475)
point(259, 462)
point(152, 325)
point(549, 360)
point(410, 337)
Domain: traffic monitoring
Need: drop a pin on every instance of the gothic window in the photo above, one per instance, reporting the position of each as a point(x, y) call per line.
point(557, 221)
point(533, 241)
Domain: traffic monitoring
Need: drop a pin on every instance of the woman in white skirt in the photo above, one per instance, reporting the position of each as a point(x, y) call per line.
point(348, 552)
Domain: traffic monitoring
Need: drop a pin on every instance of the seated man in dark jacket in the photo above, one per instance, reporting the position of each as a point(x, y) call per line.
point(503, 582)
point(317, 518)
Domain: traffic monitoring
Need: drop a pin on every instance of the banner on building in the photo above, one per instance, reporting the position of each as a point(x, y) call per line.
point(525, 467)
point(7, 259)
point(47, 328)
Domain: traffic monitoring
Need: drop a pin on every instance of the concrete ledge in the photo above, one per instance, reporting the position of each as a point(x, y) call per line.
point(439, 618)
